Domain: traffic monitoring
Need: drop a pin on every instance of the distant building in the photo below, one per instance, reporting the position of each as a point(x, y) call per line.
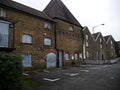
point(110, 47)
point(118, 48)
point(99, 46)
point(88, 46)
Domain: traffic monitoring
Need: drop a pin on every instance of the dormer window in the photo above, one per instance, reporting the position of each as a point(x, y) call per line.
point(2, 13)
point(47, 25)
point(71, 28)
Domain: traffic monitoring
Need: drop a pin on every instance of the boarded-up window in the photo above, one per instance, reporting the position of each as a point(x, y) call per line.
point(47, 25)
point(27, 60)
point(71, 28)
point(87, 54)
point(67, 56)
point(2, 13)
point(26, 39)
point(4, 33)
point(76, 56)
point(47, 41)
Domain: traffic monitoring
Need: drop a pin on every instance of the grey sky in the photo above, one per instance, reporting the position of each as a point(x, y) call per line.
point(90, 13)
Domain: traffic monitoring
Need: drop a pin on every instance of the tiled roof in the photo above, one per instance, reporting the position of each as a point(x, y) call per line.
point(23, 8)
point(56, 9)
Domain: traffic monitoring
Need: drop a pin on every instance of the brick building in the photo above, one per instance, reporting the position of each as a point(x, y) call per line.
point(44, 39)
point(99, 46)
point(88, 44)
point(68, 33)
point(27, 32)
point(110, 47)
point(52, 38)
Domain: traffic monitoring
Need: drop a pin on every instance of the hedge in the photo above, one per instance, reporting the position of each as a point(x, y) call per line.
point(10, 71)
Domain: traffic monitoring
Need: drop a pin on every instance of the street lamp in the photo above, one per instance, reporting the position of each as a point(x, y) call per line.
point(94, 38)
point(97, 26)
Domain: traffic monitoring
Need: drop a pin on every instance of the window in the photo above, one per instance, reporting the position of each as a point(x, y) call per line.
point(100, 40)
point(71, 28)
point(47, 25)
point(76, 56)
point(86, 37)
point(47, 41)
point(4, 33)
point(80, 55)
point(101, 43)
point(2, 13)
point(26, 38)
point(67, 56)
point(111, 44)
point(101, 46)
point(27, 60)
point(87, 54)
point(87, 44)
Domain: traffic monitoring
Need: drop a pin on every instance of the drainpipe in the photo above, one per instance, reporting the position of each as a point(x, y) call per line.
point(57, 59)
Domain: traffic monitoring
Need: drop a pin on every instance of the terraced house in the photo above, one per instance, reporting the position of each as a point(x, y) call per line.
point(88, 46)
point(110, 47)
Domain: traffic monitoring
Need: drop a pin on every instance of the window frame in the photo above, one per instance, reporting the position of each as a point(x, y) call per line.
point(87, 54)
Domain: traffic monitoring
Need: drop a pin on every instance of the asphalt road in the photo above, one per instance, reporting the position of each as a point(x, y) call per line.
point(85, 77)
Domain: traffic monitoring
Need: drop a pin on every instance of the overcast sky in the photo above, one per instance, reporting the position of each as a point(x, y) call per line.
point(89, 13)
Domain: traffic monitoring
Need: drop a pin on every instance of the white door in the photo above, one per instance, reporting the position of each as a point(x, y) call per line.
point(51, 60)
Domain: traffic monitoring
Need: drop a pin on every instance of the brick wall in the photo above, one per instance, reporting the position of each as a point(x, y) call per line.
point(31, 25)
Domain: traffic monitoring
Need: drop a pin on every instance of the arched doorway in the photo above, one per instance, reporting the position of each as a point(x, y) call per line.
point(51, 60)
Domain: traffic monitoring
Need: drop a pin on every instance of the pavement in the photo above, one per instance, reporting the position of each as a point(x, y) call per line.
point(85, 77)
